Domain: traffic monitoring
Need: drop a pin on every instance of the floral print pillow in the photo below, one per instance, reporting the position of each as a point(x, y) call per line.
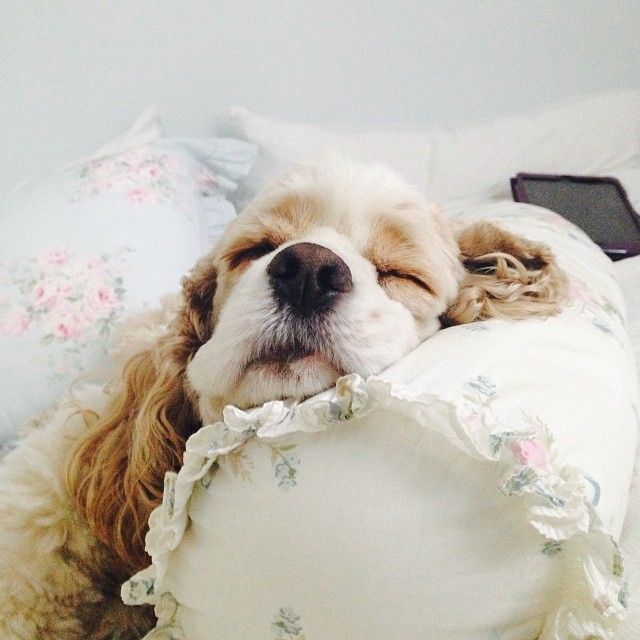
point(89, 244)
point(69, 301)
point(146, 175)
point(139, 175)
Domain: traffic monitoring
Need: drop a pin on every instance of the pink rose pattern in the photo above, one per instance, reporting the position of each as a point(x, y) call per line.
point(597, 309)
point(144, 176)
point(15, 322)
point(72, 302)
point(530, 453)
point(140, 175)
point(561, 499)
point(524, 448)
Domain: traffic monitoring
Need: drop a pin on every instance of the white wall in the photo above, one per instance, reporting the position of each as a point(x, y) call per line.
point(74, 73)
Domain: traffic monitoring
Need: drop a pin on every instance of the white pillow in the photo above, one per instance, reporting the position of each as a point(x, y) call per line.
point(629, 176)
point(586, 135)
point(631, 545)
point(284, 144)
point(628, 276)
point(473, 491)
point(99, 239)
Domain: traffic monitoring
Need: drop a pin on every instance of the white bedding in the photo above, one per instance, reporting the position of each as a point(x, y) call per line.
point(628, 275)
point(473, 491)
point(591, 135)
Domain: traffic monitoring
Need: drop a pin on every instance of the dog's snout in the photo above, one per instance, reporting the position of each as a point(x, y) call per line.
point(308, 277)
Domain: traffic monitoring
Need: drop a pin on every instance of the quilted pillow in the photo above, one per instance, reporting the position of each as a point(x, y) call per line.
point(92, 242)
point(475, 490)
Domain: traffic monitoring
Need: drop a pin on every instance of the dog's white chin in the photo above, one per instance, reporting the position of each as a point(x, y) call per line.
point(293, 380)
point(260, 381)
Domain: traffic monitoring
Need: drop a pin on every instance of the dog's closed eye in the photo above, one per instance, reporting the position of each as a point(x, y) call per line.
point(385, 274)
point(248, 253)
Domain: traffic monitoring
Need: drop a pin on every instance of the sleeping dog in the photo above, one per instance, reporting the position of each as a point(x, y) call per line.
point(336, 268)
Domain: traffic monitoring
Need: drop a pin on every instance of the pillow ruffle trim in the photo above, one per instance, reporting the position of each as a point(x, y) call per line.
point(593, 597)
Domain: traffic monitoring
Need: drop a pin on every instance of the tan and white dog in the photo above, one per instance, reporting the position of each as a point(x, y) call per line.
point(336, 268)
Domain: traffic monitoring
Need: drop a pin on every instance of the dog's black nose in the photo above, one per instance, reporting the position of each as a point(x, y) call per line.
point(308, 277)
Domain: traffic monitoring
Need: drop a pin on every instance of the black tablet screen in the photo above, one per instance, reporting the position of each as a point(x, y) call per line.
point(597, 207)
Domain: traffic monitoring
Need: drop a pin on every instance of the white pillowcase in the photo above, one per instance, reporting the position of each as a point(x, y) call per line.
point(99, 239)
point(473, 491)
point(628, 276)
point(586, 135)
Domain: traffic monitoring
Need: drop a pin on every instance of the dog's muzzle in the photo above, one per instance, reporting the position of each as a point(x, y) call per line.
point(308, 278)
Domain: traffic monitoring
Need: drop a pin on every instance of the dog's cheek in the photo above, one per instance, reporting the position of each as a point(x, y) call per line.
point(216, 366)
point(373, 331)
point(210, 409)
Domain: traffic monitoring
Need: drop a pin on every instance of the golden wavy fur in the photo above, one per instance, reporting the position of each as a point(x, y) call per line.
point(506, 276)
point(116, 471)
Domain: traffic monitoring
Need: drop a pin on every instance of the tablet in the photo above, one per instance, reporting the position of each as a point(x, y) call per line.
point(599, 206)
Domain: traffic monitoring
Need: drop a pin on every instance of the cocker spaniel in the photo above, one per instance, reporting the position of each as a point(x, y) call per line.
point(336, 268)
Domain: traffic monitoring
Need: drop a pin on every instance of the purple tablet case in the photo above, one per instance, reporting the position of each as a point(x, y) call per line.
point(599, 206)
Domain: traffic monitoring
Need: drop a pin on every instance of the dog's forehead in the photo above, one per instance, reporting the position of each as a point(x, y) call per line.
point(363, 222)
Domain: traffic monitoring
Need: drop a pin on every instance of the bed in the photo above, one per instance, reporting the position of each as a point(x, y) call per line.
point(494, 447)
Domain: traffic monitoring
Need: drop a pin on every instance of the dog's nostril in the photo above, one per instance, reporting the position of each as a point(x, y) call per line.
point(334, 278)
point(284, 265)
point(308, 277)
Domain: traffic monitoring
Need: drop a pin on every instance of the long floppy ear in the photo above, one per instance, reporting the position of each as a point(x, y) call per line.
point(506, 276)
point(116, 471)
point(199, 288)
